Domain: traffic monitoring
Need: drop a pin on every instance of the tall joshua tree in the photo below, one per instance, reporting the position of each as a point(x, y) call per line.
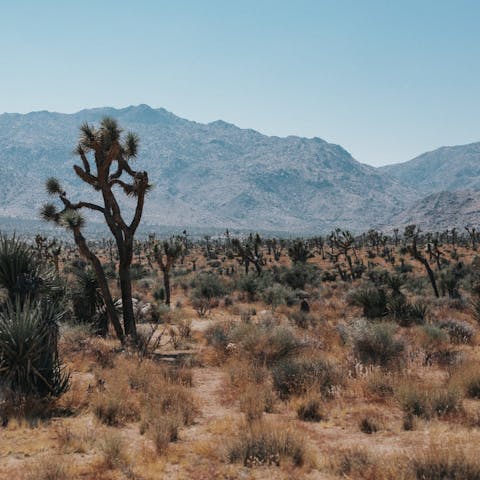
point(105, 155)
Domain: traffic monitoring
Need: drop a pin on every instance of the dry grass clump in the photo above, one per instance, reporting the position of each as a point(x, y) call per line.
point(256, 399)
point(113, 451)
point(264, 342)
point(296, 376)
point(163, 430)
point(380, 385)
point(72, 440)
point(467, 377)
point(358, 463)
point(114, 408)
point(425, 401)
point(310, 409)
point(370, 423)
point(267, 443)
point(446, 463)
point(47, 468)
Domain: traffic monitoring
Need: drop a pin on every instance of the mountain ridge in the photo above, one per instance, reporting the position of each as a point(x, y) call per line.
point(214, 174)
point(219, 175)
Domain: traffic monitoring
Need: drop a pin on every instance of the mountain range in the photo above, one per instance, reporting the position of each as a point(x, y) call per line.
point(218, 176)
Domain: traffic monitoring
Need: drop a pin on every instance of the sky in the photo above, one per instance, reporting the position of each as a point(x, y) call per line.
point(387, 80)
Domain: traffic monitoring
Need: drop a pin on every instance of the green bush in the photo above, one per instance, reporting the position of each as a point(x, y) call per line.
point(372, 300)
point(296, 376)
point(299, 275)
point(277, 295)
point(377, 344)
point(208, 286)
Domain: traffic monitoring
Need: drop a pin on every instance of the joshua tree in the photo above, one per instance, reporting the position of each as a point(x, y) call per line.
point(165, 255)
point(109, 151)
point(248, 252)
point(299, 251)
point(412, 233)
point(344, 241)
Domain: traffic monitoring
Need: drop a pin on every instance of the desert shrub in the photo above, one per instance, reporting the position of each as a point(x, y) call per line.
point(217, 335)
point(277, 295)
point(433, 336)
point(264, 443)
point(378, 276)
point(377, 344)
point(296, 376)
point(328, 276)
point(138, 271)
point(449, 281)
point(264, 343)
point(299, 275)
point(458, 331)
point(416, 285)
point(208, 286)
point(112, 409)
point(159, 294)
point(250, 285)
point(29, 362)
point(164, 430)
point(372, 300)
point(310, 409)
point(255, 400)
point(303, 319)
point(444, 401)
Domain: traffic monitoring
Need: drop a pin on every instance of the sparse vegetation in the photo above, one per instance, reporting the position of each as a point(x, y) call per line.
point(321, 339)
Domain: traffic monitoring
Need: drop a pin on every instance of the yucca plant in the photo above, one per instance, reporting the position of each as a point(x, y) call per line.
point(29, 361)
point(22, 273)
point(86, 297)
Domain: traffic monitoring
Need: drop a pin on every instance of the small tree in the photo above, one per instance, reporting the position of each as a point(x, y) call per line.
point(111, 155)
point(165, 255)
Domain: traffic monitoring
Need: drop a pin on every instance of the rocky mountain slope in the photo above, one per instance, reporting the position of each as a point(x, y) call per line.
point(440, 211)
point(444, 169)
point(205, 175)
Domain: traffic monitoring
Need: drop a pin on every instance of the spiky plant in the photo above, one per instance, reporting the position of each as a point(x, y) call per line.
point(22, 273)
point(29, 361)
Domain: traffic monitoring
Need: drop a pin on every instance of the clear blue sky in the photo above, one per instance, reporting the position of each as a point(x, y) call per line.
point(386, 79)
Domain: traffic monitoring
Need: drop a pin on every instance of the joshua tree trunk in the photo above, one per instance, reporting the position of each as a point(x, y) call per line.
point(166, 287)
point(108, 151)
